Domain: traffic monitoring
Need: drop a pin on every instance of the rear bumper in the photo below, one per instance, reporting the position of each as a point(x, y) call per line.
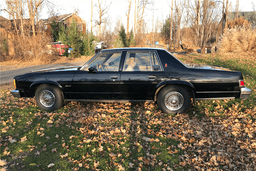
point(245, 93)
point(16, 93)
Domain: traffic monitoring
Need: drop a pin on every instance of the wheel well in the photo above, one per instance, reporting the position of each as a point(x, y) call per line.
point(189, 89)
point(35, 86)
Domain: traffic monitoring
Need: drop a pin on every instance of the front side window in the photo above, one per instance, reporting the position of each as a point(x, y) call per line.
point(106, 62)
point(146, 61)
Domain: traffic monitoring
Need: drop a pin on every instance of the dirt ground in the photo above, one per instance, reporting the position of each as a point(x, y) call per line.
point(8, 86)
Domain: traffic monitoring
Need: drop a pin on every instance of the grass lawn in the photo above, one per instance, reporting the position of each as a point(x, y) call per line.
point(217, 135)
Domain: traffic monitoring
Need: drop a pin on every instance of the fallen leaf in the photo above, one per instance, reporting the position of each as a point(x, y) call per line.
point(23, 139)
point(3, 162)
point(50, 165)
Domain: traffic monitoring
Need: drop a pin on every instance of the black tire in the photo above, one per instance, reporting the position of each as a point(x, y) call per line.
point(173, 99)
point(49, 97)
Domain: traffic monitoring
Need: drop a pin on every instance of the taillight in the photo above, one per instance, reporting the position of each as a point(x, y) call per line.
point(241, 83)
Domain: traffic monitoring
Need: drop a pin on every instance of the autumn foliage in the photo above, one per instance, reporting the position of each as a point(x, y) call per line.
point(238, 22)
point(238, 39)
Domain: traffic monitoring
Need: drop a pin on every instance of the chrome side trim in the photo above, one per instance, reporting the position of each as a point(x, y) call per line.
point(245, 93)
point(204, 92)
point(215, 98)
point(111, 101)
point(15, 93)
point(55, 68)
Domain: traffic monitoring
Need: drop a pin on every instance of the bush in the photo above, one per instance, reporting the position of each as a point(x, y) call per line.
point(87, 47)
point(238, 40)
point(238, 22)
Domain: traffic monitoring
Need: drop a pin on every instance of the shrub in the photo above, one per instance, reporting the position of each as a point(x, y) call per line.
point(238, 40)
point(87, 47)
point(238, 22)
point(131, 40)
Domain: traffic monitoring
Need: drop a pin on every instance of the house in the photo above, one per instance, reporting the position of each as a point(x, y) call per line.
point(3, 22)
point(66, 19)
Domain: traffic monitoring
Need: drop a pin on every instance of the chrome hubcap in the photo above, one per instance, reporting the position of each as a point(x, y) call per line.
point(174, 100)
point(47, 98)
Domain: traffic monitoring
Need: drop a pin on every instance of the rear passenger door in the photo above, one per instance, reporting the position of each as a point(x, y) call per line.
point(140, 75)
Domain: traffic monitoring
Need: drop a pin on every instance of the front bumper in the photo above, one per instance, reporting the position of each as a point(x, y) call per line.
point(245, 93)
point(16, 93)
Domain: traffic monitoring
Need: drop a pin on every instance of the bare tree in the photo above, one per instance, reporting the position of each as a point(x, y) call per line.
point(224, 14)
point(11, 10)
point(91, 14)
point(171, 23)
point(139, 18)
point(179, 8)
point(198, 16)
point(204, 17)
point(128, 16)
point(135, 18)
point(33, 9)
point(237, 8)
point(103, 9)
point(20, 13)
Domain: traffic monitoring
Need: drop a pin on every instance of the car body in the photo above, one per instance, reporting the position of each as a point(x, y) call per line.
point(131, 74)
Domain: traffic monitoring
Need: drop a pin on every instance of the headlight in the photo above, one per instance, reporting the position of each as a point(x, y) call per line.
point(14, 83)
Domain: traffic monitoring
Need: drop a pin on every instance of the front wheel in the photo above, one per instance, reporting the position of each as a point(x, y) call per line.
point(49, 97)
point(173, 99)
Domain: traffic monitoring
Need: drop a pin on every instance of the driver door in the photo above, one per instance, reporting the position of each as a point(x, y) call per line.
point(101, 82)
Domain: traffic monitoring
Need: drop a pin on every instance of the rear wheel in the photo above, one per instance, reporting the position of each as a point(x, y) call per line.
point(173, 99)
point(49, 97)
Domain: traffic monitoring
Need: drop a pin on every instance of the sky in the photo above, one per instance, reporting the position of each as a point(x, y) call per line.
point(159, 10)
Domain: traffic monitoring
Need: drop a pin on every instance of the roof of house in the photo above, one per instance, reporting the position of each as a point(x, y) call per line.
point(58, 18)
point(3, 22)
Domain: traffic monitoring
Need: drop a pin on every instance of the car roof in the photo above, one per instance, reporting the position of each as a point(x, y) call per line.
point(131, 49)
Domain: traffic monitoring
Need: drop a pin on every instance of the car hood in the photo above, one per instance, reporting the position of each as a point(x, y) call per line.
point(69, 68)
point(208, 67)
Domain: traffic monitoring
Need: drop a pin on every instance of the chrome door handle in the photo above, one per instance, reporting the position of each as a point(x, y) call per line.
point(114, 77)
point(151, 77)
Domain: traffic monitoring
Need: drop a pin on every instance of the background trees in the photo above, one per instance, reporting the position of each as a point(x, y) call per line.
point(195, 23)
point(102, 12)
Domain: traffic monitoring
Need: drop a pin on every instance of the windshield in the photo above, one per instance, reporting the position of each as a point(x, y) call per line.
point(89, 61)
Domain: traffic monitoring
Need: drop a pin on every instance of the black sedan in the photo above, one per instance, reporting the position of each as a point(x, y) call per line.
point(131, 74)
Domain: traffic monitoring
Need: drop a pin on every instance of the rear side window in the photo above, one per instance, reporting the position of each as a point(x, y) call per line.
point(143, 61)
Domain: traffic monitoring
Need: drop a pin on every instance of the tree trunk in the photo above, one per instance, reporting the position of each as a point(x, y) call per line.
point(100, 19)
point(135, 21)
point(128, 17)
point(91, 14)
point(237, 8)
point(198, 18)
point(171, 24)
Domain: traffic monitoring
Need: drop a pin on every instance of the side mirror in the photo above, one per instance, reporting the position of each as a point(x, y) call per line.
point(92, 70)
